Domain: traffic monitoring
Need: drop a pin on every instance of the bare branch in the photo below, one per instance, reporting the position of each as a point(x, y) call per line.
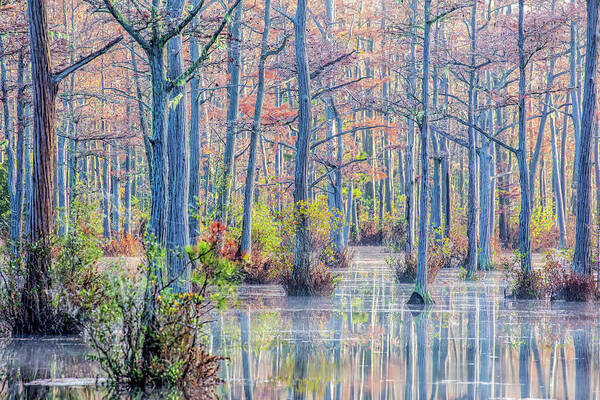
point(60, 75)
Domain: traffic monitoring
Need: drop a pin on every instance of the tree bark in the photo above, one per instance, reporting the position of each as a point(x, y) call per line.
point(246, 241)
point(581, 257)
point(179, 164)
point(525, 213)
point(421, 284)
point(301, 270)
point(233, 94)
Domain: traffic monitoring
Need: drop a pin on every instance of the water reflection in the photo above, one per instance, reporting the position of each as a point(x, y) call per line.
point(365, 343)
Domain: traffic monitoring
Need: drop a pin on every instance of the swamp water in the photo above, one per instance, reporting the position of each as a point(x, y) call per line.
point(364, 343)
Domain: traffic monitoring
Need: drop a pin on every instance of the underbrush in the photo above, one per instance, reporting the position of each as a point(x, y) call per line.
point(389, 232)
point(554, 280)
point(127, 245)
point(438, 256)
point(147, 337)
point(76, 286)
point(273, 240)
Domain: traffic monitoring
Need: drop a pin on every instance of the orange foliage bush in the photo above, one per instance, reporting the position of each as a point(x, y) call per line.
point(128, 245)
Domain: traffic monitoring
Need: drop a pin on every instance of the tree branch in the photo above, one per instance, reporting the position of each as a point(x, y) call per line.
point(185, 22)
point(126, 25)
point(185, 75)
point(321, 68)
point(60, 75)
point(341, 85)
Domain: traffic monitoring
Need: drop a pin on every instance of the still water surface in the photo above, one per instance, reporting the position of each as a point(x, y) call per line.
point(365, 343)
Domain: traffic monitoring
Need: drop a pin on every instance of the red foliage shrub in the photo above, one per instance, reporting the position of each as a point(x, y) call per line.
point(553, 280)
point(127, 245)
point(575, 287)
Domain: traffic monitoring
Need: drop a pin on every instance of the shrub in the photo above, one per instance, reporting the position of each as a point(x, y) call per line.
point(273, 242)
point(334, 259)
point(555, 280)
point(536, 284)
point(148, 337)
point(127, 245)
point(322, 281)
point(76, 285)
point(438, 257)
point(577, 288)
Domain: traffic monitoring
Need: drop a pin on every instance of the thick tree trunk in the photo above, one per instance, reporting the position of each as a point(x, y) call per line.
point(179, 164)
point(581, 257)
point(157, 227)
point(525, 213)
point(301, 270)
point(421, 284)
point(35, 301)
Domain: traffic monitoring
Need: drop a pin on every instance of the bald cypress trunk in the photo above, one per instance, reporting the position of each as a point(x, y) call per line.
point(473, 200)
point(525, 213)
point(301, 269)
point(246, 241)
point(409, 172)
point(195, 145)
point(115, 195)
point(421, 284)
point(233, 94)
point(178, 161)
point(581, 258)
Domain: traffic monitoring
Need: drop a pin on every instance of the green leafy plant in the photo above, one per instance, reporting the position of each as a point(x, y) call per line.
point(149, 337)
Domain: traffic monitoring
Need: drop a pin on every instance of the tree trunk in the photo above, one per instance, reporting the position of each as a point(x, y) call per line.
point(157, 227)
point(106, 192)
point(115, 196)
point(559, 206)
point(128, 191)
point(179, 164)
point(234, 67)
point(195, 145)
point(246, 241)
point(421, 284)
point(17, 200)
point(581, 257)
point(525, 213)
point(62, 187)
point(473, 206)
point(409, 176)
point(301, 270)
point(35, 299)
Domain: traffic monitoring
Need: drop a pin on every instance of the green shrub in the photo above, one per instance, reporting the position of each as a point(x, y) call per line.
point(76, 285)
point(148, 337)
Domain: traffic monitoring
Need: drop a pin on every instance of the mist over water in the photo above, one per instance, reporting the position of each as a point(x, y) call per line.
point(365, 343)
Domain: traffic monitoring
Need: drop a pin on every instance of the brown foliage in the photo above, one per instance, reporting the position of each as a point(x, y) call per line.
point(127, 246)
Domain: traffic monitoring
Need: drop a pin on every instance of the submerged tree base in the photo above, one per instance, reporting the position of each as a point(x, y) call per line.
point(420, 297)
